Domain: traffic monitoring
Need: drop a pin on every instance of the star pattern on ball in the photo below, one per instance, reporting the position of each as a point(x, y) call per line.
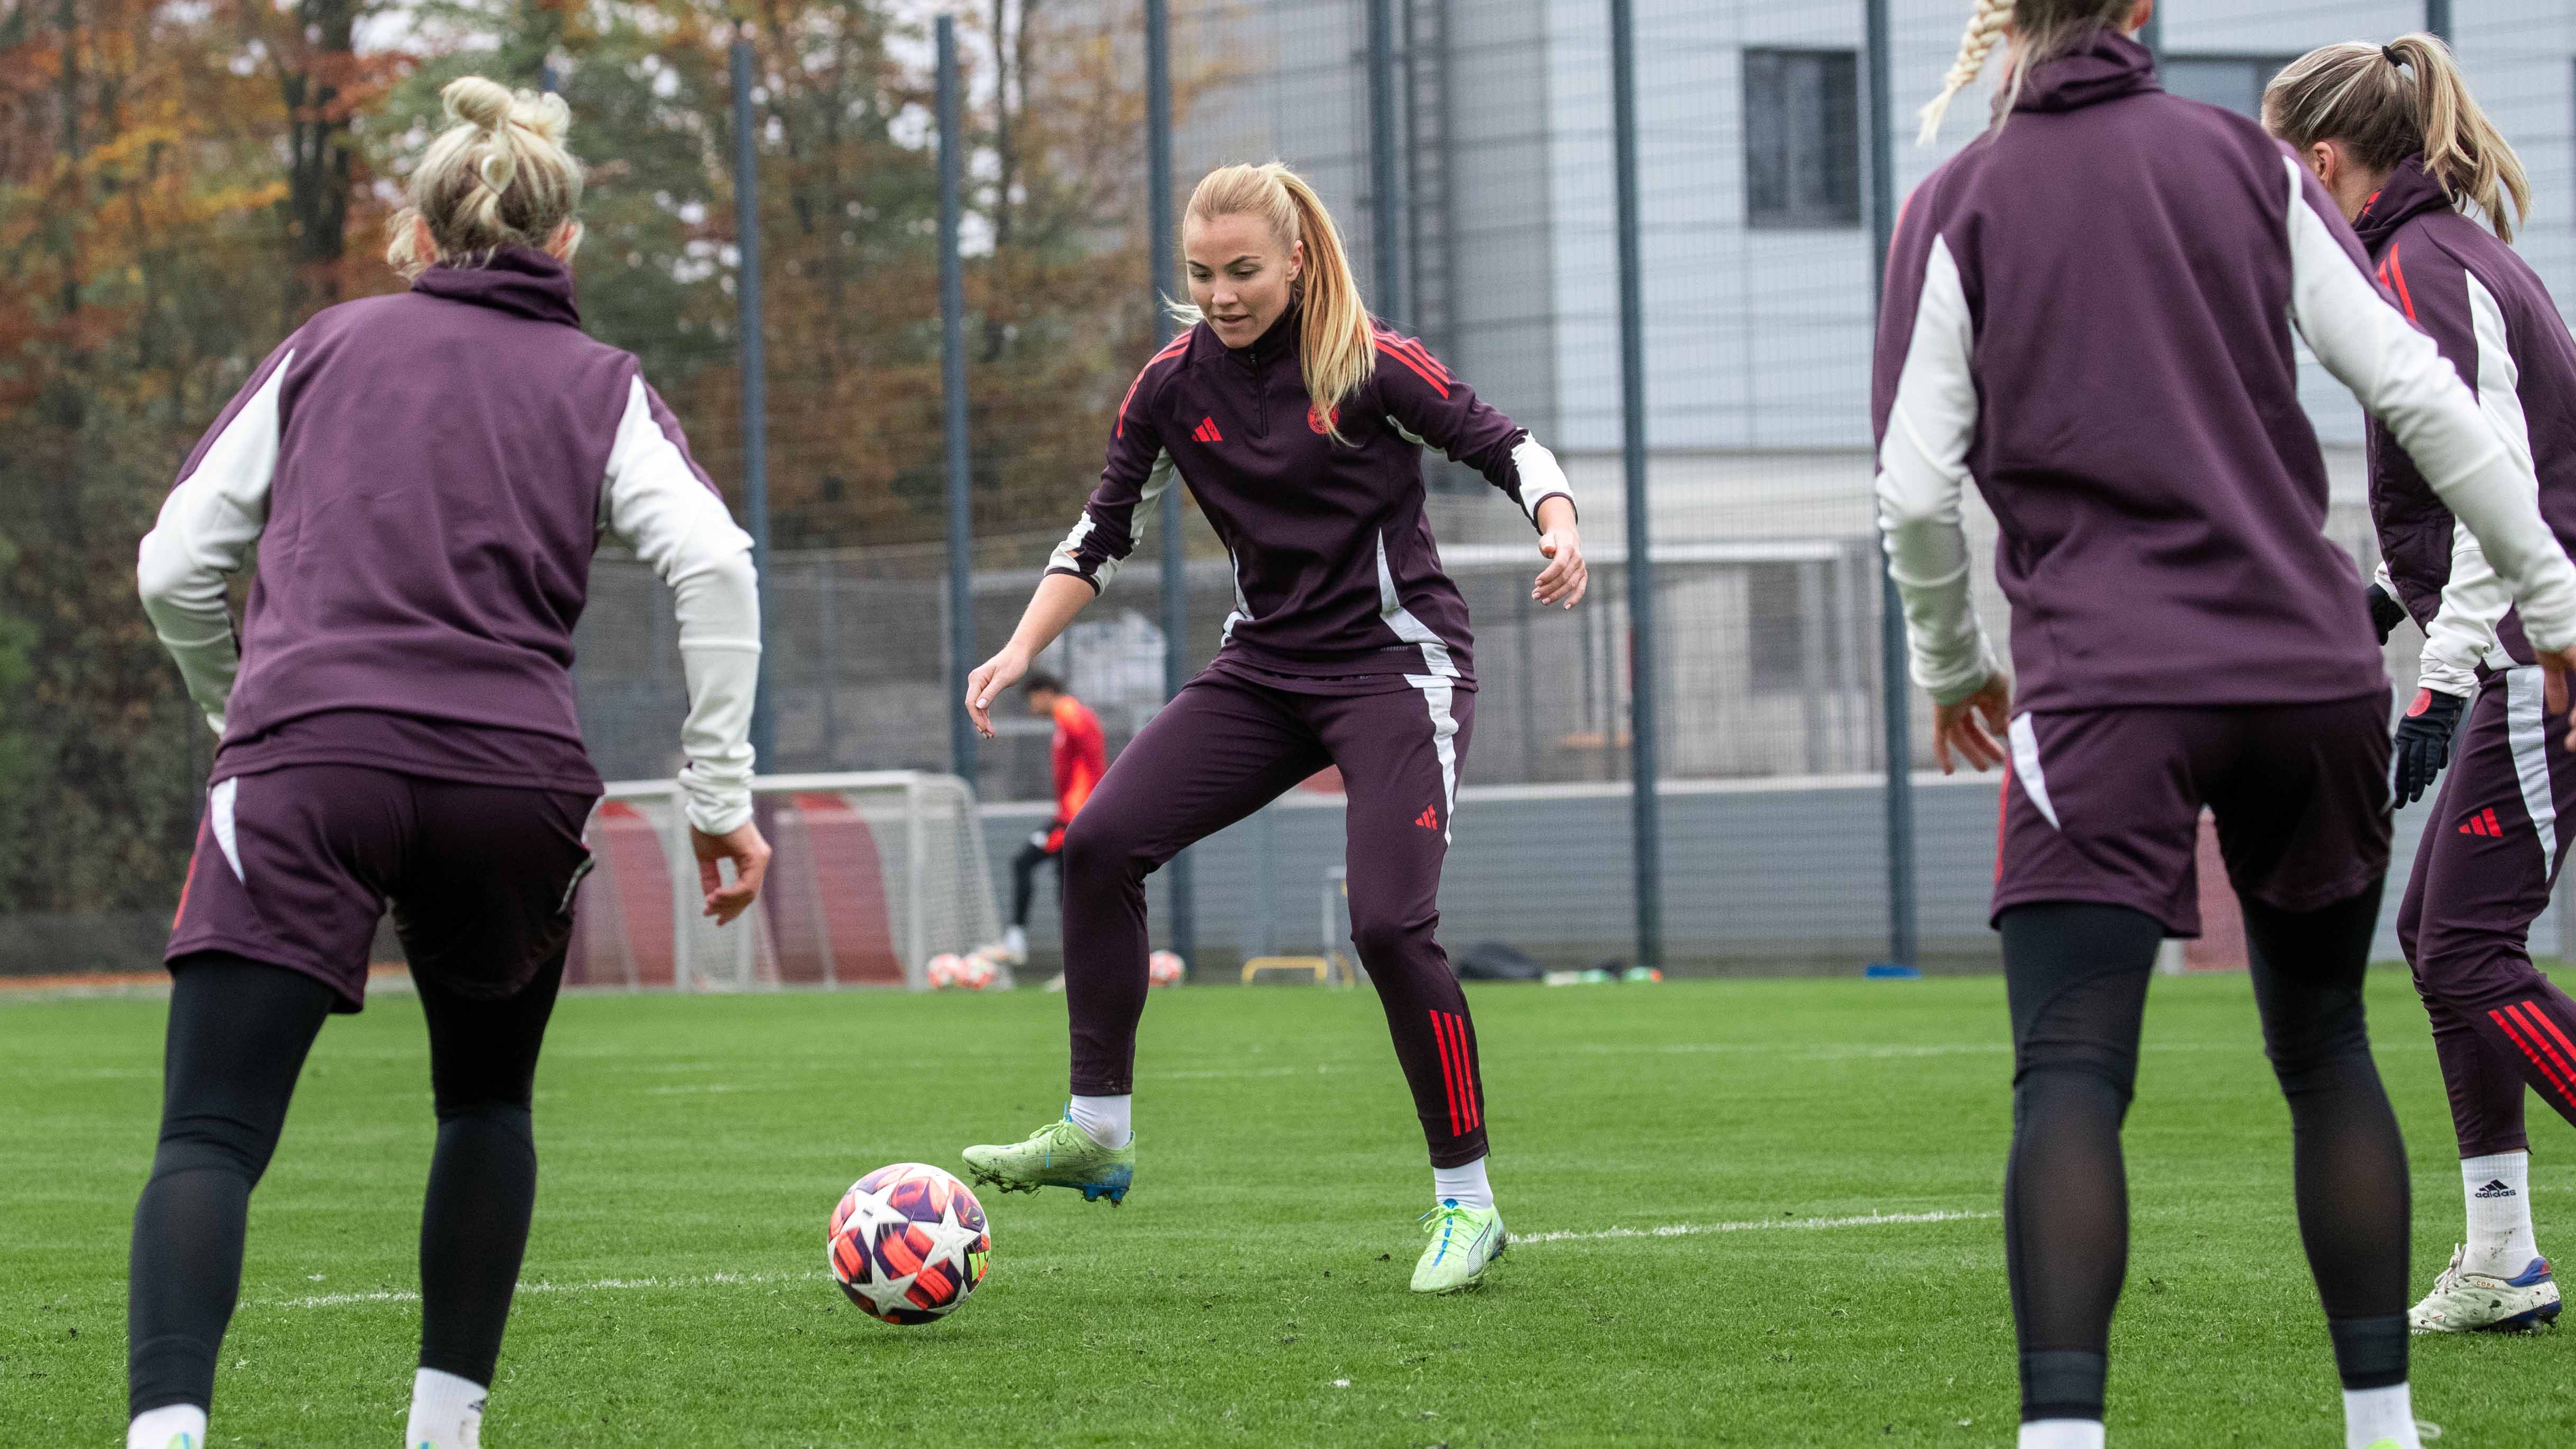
point(871, 1217)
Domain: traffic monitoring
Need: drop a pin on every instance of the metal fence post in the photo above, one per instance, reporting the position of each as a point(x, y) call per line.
point(1643, 777)
point(1386, 179)
point(952, 387)
point(1183, 901)
point(755, 385)
point(2437, 18)
point(1895, 693)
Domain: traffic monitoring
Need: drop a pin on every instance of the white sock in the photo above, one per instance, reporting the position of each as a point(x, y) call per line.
point(1016, 941)
point(2062, 1434)
point(2498, 1187)
point(176, 1426)
point(446, 1412)
point(1105, 1118)
point(1465, 1186)
point(2371, 1415)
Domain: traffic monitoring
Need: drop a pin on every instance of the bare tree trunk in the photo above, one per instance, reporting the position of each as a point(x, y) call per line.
point(319, 146)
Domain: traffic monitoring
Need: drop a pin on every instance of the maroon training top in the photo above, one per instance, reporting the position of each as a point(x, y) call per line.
point(1338, 584)
point(2491, 316)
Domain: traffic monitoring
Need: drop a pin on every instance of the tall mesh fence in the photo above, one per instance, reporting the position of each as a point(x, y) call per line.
point(1754, 146)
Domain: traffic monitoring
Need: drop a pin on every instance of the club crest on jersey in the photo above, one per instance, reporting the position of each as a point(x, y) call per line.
point(1318, 421)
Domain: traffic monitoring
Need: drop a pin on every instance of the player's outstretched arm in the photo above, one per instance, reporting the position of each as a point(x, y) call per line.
point(1059, 598)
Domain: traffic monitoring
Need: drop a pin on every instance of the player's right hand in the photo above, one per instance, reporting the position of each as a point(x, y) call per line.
point(2385, 612)
point(1974, 726)
point(2554, 669)
point(749, 853)
point(987, 683)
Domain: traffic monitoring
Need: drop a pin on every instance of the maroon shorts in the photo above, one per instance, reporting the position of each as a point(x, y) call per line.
point(2104, 805)
point(295, 866)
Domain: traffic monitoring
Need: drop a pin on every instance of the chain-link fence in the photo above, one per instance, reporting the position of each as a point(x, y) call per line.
point(1755, 142)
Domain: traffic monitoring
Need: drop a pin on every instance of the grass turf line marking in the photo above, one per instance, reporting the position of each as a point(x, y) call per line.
point(714, 1280)
point(1756, 1225)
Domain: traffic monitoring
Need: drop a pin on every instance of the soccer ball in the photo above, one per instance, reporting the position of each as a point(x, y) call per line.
point(908, 1243)
point(1164, 969)
point(949, 971)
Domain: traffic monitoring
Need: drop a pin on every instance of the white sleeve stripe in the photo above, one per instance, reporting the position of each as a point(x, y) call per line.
point(1542, 476)
point(1923, 469)
point(204, 533)
point(653, 503)
point(2463, 632)
point(2403, 379)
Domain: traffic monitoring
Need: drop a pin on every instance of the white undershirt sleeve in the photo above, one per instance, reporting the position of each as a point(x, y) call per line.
point(1542, 477)
point(1922, 473)
point(654, 503)
point(204, 535)
point(2403, 379)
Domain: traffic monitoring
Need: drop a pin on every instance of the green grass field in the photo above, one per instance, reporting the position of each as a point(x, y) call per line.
point(1683, 1163)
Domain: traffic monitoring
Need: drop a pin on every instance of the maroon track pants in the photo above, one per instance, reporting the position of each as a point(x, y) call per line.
point(1222, 749)
point(2482, 875)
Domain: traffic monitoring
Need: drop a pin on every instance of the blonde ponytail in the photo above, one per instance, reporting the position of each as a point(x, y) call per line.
point(501, 176)
point(2384, 103)
point(1335, 348)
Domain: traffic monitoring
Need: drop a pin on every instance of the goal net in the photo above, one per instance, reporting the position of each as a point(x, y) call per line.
point(870, 876)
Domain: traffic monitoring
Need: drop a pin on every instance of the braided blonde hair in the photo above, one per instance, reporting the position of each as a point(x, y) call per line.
point(2046, 30)
point(1985, 26)
point(501, 176)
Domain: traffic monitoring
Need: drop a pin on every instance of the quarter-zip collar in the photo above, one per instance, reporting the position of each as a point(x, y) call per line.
point(2102, 66)
point(1278, 340)
point(521, 280)
point(2408, 193)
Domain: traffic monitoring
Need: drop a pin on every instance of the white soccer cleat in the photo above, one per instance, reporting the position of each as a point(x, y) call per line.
point(1014, 947)
point(2464, 1302)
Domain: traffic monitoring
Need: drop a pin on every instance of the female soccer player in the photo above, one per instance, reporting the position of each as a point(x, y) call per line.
point(2399, 143)
point(1298, 423)
point(425, 476)
point(2089, 310)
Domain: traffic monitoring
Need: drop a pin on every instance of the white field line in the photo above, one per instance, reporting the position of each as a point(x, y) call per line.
point(595, 1285)
point(1756, 1225)
point(724, 1280)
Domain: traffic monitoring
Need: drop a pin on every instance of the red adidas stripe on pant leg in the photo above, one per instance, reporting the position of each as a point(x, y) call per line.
point(1448, 1075)
point(1469, 1112)
point(2513, 1030)
point(2537, 1025)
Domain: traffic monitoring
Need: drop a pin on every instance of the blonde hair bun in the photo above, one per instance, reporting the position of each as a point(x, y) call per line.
point(500, 176)
point(477, 102)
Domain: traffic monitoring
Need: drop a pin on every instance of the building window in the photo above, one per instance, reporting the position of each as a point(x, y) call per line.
point(1802, 138)
point(2235, 82)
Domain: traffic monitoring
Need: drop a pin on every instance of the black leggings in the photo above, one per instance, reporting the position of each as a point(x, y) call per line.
point(1024, 878)
point(2077, 975)
point(239, 1031)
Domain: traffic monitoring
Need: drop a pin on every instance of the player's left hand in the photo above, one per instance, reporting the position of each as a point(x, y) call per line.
point(1565, 579)
point(2423, 743)
point(2554, 669)
point(749, 853)
point(1974, 726)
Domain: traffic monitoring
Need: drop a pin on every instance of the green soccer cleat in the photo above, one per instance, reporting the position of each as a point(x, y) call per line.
point(1464, 1241)
point(1059, 1154)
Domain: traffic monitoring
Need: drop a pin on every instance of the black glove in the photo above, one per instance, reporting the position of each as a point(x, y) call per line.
point(2385, 613)
point(2423, 743)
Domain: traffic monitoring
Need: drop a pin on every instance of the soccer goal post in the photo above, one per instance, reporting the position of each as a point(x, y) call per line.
point(870, 876)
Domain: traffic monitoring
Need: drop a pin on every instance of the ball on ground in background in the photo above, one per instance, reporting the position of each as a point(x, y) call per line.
point(1163, 968)
point(908, 1243)
point(945, 971)
point(986, 970)
point(973, 972)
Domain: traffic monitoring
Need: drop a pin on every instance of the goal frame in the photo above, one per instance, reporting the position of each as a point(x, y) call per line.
point(909, 936)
